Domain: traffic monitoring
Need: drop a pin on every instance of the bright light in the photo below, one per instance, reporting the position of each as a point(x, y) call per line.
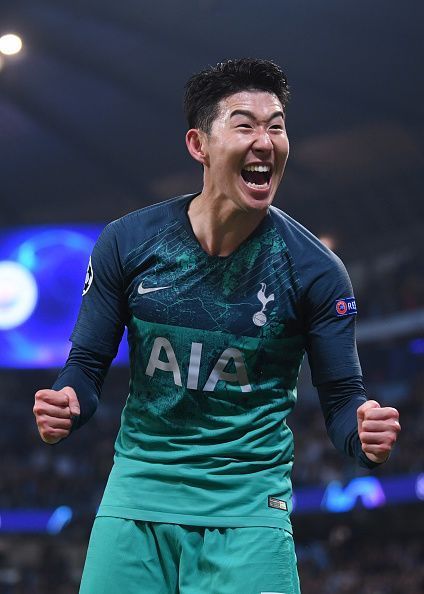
point(10, 44)
point(18, 294)
point(419, 486)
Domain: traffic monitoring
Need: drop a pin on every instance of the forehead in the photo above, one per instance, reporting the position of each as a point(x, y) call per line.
point(260, 103)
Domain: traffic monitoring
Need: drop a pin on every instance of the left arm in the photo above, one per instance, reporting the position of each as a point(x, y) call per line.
point(360, 428)
point(357, 427)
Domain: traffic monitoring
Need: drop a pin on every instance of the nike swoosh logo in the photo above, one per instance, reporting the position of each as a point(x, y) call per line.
point(144, 290)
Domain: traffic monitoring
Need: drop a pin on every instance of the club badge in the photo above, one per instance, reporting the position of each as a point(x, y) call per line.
point(259, 318)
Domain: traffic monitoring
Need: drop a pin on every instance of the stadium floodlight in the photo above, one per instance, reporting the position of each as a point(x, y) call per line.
point(10, 44)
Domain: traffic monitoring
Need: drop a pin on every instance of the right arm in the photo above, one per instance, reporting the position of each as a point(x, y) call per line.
point(75, 394)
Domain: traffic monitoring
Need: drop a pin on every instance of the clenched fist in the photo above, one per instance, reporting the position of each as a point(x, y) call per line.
point(54, 411)
point(378, 429)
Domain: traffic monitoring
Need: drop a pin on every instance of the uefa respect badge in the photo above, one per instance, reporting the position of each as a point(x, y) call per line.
point(346, 307)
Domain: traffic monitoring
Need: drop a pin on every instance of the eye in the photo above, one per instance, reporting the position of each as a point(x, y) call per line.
point(276, 127)
point(243, 126)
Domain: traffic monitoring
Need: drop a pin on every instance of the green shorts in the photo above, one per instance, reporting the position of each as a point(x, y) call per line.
point(137, 557)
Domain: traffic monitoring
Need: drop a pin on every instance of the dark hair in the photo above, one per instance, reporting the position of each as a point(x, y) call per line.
point(205, 90)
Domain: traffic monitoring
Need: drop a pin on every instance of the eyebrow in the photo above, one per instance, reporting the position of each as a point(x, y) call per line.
point(250, 115)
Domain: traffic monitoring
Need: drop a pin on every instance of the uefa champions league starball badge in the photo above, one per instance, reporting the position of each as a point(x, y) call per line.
point(88, 278)
point(259, 318)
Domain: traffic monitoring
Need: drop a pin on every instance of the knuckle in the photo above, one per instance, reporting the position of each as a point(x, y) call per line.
point(393, 428)
point(50, 440)
point(50, 434)
point(372, 404)
point(38, 408)
point(44, 431)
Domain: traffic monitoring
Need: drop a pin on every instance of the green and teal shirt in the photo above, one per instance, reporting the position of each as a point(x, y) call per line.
point(215, 349)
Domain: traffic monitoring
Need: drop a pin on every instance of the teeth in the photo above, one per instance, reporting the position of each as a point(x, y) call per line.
point(261, 168)
point(253, 185)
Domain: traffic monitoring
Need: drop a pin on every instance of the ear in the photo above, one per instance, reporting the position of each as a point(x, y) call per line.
point(196, 141)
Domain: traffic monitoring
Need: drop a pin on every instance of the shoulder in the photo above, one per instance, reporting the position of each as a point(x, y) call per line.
point(312, 259)
point(301, 243)
point(135, 228)
point(150, 218)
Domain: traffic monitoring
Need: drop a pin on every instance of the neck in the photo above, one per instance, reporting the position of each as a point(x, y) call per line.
point(219, 226)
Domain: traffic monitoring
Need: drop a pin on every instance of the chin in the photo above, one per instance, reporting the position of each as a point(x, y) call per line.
point(257, 203)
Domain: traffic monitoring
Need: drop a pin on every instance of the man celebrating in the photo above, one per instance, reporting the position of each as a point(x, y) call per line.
point(222, 294)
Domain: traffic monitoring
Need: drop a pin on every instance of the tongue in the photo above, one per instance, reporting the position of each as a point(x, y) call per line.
point(256, 177)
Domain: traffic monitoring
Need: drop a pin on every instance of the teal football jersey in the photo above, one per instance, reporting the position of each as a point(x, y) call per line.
point(216, 345)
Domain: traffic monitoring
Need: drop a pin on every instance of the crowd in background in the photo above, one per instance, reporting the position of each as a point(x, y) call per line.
point(389, 284)
point(375, 564)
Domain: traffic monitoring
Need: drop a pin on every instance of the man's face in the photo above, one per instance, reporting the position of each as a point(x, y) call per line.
point(246, 150)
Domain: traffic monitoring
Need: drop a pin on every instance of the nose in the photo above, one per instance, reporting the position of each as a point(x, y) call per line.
point(262, 142)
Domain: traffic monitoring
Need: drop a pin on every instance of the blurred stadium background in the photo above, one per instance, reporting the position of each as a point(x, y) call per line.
point(91, 127)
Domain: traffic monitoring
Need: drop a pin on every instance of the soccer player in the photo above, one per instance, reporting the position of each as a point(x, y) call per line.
point(222, 294)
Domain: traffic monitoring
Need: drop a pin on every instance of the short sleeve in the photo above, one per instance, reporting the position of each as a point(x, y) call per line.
point(330, 321)
point(103, 313)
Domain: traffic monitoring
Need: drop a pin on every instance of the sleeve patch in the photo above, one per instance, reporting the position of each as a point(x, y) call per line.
point(346, 307)
point(88, 278)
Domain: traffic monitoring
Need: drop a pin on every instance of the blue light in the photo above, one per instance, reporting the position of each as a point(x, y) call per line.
point(56, 258)
point(368, 489)
point(59, 519)
point(416, 346)
point(26, 256)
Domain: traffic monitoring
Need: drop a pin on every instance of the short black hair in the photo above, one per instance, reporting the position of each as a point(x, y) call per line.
point(205, 90)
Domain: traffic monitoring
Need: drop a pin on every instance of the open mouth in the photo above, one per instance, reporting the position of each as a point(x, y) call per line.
point(257, 176)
